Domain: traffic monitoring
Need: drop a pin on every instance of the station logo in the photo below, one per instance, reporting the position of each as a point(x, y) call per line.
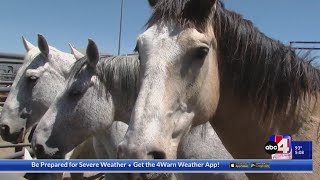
point(279, 146)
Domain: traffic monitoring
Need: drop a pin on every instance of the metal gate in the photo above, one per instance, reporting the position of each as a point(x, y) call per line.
point(9, 66)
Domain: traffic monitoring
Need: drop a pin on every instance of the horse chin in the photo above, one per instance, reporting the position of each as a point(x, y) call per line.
point(58, 155)
point(42, 152)
point(53, 155)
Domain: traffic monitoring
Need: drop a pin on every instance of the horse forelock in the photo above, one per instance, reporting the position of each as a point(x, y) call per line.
point(55, 55)
point(75, 70)
point(58, 61)
point(32, 54)
point(182, 13)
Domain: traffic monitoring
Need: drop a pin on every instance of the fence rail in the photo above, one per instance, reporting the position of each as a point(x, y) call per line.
point(306, 43)
point(11, 56)
point(6, 82)
point(15, 145)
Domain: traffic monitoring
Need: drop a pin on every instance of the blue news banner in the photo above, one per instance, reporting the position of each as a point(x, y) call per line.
point(137, 166)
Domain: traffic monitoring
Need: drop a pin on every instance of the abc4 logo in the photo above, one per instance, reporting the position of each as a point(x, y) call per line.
point(282, 147)
point(271, 147)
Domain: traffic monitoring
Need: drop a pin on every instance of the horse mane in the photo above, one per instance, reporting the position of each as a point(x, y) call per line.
point(115, 72)
point(262, 69)
point(258, 68)
point(120, 73)
point(76, 69)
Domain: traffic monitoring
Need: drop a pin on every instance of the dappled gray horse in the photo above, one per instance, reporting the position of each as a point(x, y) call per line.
point(38, 80)
point(96, 93)
point(34, 88)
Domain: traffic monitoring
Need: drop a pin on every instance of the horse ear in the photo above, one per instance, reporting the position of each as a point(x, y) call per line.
point(92, 53)
point(43, 45)
point(27, 45)
point(77, 54)
point(152, 3)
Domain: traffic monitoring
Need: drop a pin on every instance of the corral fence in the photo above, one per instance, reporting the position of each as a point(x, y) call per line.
point(309, 48)
point(9, 66)
point(305, 45)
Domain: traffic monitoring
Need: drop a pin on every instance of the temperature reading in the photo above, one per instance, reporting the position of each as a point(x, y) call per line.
point(298, 148)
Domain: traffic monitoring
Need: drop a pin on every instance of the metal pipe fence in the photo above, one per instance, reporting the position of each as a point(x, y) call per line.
point(15, 145)
point(317, 43)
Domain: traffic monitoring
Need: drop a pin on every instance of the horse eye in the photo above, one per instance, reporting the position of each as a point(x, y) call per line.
point(33, 78)
point(201, 52)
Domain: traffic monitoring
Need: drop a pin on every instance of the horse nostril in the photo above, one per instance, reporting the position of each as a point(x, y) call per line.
point(25, 115)
point(4, 129)
point(39, 149)
point(157, 154)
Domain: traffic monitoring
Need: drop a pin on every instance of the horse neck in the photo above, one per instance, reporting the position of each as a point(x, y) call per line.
point(236, 115)
point(243, 110)
point(124, 103)
point(110, 139)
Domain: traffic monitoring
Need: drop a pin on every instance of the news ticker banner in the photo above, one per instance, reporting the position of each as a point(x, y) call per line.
point(140, 166)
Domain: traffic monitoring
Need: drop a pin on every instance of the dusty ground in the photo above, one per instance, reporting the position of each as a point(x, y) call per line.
point(4, 152)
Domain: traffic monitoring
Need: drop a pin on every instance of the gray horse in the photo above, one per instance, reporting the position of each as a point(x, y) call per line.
point(97, 92)
point(37, 82)
point(32, 88)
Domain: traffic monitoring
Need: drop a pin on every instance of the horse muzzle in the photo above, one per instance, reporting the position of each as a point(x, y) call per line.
point(9, 136)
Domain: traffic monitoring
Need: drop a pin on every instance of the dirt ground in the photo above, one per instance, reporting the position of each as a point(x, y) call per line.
point(3, 153)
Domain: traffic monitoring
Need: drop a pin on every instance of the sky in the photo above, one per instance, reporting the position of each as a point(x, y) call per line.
point(74, 21)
